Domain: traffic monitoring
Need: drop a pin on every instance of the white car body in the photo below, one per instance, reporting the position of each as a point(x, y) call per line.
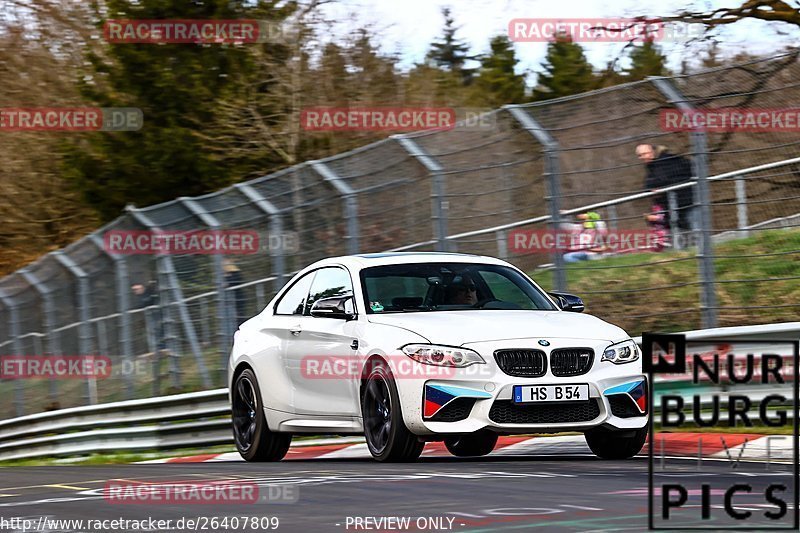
point(277, 348)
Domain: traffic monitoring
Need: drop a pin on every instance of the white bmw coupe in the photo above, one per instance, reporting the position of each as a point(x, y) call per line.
point(406, 348)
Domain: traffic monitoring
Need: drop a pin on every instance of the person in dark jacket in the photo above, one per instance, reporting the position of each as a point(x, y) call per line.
point(146, 297)
point(664, 169)
point(235, 297)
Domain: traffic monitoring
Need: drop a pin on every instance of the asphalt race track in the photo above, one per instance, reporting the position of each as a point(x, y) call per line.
point(496, 493)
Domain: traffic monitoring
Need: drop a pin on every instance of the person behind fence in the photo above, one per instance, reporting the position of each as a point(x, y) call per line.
point(664, 169)
point(146, 297)
point(235, 296)
point(584, 236)
point(659, 229)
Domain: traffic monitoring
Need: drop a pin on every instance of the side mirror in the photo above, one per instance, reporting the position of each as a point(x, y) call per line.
point(568, 302)
point(341, 307)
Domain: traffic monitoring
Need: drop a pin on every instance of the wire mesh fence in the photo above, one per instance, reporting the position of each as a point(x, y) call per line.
point(728, 251)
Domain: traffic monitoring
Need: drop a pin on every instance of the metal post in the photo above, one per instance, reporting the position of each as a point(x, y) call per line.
point(741, 207)
point(275, 226)
point(672, 202)
point(38, 349)
point(226, 316)
point(552, 173)
point(438, 201)
point(13, 330)
point(350, 203)
point(501, 237)
point(85, 330)
point(174, 290)
point(48, 310)
point(123, 287)
point(705, 252)
point(612, 217)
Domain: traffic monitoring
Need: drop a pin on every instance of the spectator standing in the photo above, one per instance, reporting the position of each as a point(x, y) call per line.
point(235, 297)
point(664, 169)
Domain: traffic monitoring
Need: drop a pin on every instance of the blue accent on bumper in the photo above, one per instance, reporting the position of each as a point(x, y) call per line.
point(625, 388)
point(461, 392)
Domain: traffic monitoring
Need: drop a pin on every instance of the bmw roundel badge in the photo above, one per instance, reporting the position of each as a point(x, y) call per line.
point(544, 343)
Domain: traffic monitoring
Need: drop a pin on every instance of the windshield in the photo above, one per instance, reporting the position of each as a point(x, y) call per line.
point(448, 287)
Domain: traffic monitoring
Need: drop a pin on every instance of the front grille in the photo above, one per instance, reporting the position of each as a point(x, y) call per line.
point(522, 363)
point(566, 362)
point(622, 406)
point(454, 411)
point(508, 412)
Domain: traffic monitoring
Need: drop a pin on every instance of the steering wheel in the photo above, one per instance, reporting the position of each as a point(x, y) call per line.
point(483, 302)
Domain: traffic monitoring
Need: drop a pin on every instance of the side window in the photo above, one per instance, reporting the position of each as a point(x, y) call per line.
point(330, 281)
point(294, 300)
point(506, 290)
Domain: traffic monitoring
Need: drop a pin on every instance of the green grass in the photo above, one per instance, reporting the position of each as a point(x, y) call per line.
point(117, 457)
point(660, 291)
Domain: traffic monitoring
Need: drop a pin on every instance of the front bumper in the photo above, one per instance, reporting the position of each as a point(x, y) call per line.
point(480, 396)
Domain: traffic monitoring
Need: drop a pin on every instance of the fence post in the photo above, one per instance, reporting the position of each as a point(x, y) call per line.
point(612, 217)
point(48, 310)
point(741, 207)
point(551, 152)
point(13, 330)
point(123, 287)
point(275, 226)
point(350, 203)
point(85, 335)
point(672, 204)
point(438, 202)
point(705, 252)
point(226, 323)
point(174, 290)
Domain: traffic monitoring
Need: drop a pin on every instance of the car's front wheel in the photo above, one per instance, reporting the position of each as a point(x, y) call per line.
point(471, 445)
point(253, 438)
point(388, 438)
point(620, 444)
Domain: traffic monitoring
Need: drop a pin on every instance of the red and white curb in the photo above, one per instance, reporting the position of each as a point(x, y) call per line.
point(744, 447)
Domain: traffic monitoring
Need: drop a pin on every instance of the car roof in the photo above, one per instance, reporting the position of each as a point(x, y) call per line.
point(360, 261)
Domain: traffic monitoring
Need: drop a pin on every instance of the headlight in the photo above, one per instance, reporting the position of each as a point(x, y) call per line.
point(622, 352)
point(431, 354)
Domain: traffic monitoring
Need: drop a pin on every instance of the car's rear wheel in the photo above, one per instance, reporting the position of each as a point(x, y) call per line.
point(471, 445)
point(253, 438)
point(620, 444)
point(388, 438)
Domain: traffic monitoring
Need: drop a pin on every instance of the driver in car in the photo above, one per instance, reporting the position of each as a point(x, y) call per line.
point(462, 291)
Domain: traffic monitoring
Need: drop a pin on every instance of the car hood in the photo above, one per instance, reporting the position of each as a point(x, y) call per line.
point(455, 328)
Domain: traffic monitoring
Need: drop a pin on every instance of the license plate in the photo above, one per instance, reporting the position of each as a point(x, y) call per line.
point(551, 393)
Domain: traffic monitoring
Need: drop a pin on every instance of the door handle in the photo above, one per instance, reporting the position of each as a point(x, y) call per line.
point(295, 331)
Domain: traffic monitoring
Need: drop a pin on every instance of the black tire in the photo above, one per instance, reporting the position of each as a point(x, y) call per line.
point(471, 445)
point(608, 444)
point(388, 438)
point(253, 438)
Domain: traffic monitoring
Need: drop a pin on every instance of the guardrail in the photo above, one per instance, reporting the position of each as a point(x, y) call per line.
point(194, 419)
point(202, 419)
